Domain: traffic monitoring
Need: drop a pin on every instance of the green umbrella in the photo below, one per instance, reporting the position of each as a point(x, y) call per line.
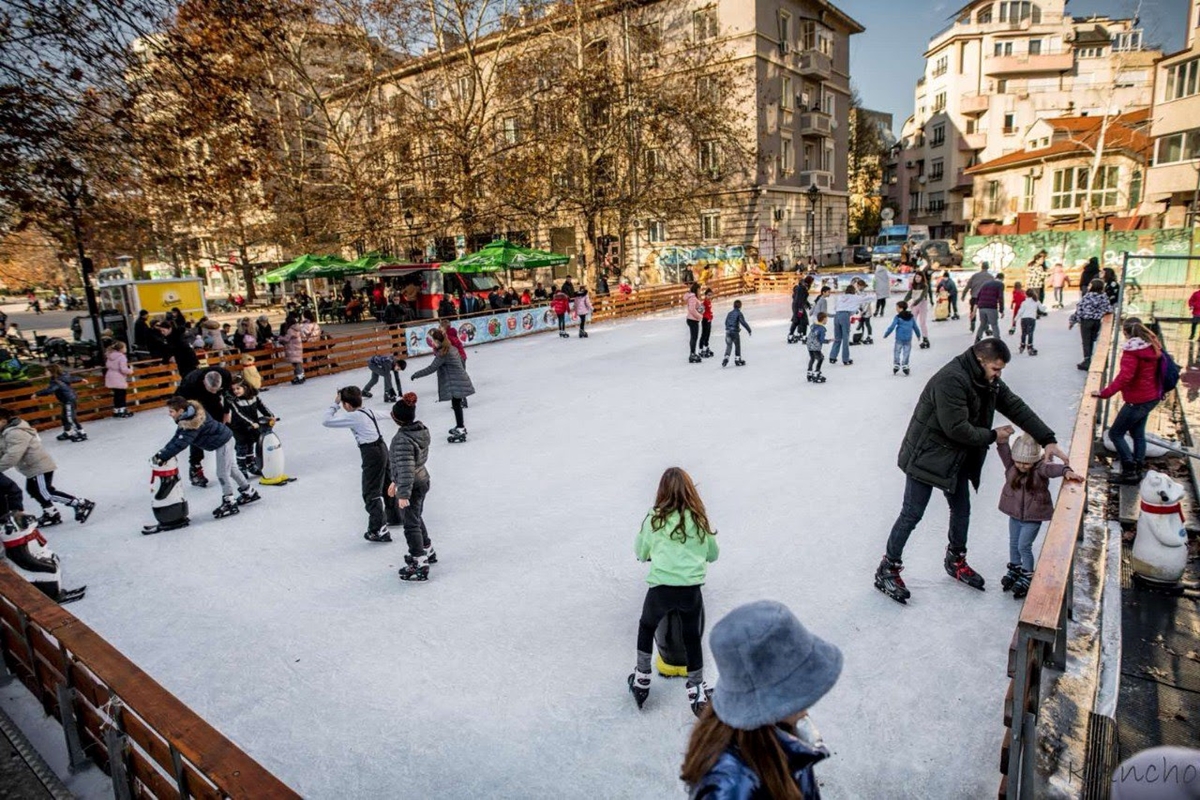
point(299, 268)
point(500, 254)
point(335, 270)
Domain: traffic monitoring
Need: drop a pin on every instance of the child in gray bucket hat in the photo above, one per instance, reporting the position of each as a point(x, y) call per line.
point(757, 742)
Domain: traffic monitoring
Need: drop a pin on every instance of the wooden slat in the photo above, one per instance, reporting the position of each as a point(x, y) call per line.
point(155, 782)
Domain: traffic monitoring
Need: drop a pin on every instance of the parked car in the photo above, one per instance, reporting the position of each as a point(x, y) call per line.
point(861, 255)
point(941, 253)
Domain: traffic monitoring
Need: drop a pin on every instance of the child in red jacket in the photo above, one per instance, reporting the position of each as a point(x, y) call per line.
point(1017, 299)
point(559, 304)
point(706, 319)
point(1194, 305)
point(1138, 381)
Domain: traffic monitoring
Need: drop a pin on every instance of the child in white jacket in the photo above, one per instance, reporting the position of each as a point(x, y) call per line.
point(1027, 317)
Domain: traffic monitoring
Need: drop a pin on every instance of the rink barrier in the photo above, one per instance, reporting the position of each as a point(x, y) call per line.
point(113, 714)
point(1040, 637)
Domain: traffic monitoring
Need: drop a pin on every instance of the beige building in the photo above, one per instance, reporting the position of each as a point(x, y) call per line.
point(997, 69)
point(1173, 180)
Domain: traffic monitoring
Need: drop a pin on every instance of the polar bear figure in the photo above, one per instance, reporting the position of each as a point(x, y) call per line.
point(1160, 548)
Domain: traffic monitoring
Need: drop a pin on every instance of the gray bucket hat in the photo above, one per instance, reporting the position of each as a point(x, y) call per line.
point(770, 666)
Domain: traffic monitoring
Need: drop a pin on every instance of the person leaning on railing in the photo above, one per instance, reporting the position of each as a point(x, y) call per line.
point(1140, 388)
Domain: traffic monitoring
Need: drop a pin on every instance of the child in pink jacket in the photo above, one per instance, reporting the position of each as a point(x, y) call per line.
point(695, 313)
point(116, 377)
point(583, 307)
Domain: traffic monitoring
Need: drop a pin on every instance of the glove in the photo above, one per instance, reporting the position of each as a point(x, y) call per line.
point(157, 461)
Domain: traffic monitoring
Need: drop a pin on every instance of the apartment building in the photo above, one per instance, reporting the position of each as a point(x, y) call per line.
point(997, 69)
point(1173, 180)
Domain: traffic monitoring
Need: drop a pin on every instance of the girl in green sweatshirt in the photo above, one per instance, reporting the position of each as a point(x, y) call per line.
point(679, 543)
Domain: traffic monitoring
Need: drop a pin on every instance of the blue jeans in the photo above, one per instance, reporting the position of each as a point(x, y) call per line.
point(841, 336)
point(901, 351)
point(1020, 542)
point(1131, 419)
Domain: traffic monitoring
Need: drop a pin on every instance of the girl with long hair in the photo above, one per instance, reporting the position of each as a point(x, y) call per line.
point(694, 313)
point(678, 541)
point(919, 299)
point(453, 382)
point(1140, 387)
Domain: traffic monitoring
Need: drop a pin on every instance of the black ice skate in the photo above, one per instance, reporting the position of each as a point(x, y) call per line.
point(1022, 350)
point(706, 353)
point(639, 686)
point(925, 343)
point(1032, 350)
point(818, 378)
point(196, 474)
point(583, 334)
point(1021, 585)
point(905, 368)
point(868, 340)
point(895, 368)
point(418, 570)
point(227, 508)
point(958, 568)
point(429, 554)
point(457, 435)
point(367, 394)
point(888, 580)
point(248, 495)
point(738, 362)
point(78, 436)
point(564, 335)
point(62, 437)
point(792, 339)
point(49, 517)
point(71, 595)
point(297, 380)
point(724, 362)
point(83, 510)
point(389, 397)
point(694, 359)
point(698, 696)
point(383, 535)
point(1010, 577)
point(147, 530)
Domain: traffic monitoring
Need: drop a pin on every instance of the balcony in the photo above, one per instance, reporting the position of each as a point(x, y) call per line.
point(973, 103)
point(815, 124)
point(814, 64)
point(969, 142)
point(816, 177)
point(963, 183)
point(1025, 64)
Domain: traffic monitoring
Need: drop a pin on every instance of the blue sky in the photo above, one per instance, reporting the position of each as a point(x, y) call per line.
point(886, 61)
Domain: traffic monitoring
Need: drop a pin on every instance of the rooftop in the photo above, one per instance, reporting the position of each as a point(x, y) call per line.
point(1075, 136)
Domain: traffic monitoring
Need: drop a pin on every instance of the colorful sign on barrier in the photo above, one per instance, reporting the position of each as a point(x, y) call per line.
point(488, 328)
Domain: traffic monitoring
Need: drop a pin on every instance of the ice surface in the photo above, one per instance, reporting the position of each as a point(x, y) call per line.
point(504, 675)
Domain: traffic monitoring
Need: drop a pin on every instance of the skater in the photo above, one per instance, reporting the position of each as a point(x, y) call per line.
point(559, 305)
point(453, 382)
point(863, 333)
point(1092, 308)
point(116, 377)
point(1139, 383)
point(905, 326)
point(583, 308)
point(706, 320)
point(883, 288)
point(734, 322)
point(1026, 500)
point(385, 366)
point(347, 412)
point(759, 741)
point(21, 447)
point(1091, 271)
point(1194, 306)
point(1058, 280)
point(1018, 297)
point(822, 304)
point(989, 306)
point(974, 285)
point(920, 299)
point(60, 387)
point(945, 446)
point(293, 346)
point(1036, 273)
point(208, 387)
point(1027, 318)
point(847, 303)
point(694, 314)
point(817, 335)
point(246, 414)
point(948, 285)
point(409, 485)
point(1112, 286)
point(800, 310)
point(678, 541)
point(196, 429)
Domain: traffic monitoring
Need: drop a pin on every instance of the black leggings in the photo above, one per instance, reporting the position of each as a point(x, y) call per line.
point(11, 498)
point(880, 306)
point(705, 333)
point(582, 322)
point(693, 334)
point(119, 398)
point(457, 404)
point(660, 601)
point(1195, 323)
point(817, 358)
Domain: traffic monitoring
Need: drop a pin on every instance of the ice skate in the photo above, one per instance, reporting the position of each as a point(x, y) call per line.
point(888, 580)
point(457, 435)
point(818, 378)
point(639, 686)
point(925, 343)
point(694, 359)
point(78, 436)
point(1022, 350)
point(810, 376)
point(833, 361)
point(196, 474)
point(62, 437)
point(847, 362)
point(1020, 587)
point(297, 381)
point(958, 568)
point(83, 510)
point(905, 368)
point(724, 362)
point(698, 696)
point(583, 334)
point(895, 369)
point(389, 397)
point(564, 335)
point(247, 496)
point(739, 362)
point(1032, 350)
point(868, 340)
point(792, 339)
point(49, 517)
point(123, 414)
point(382, 535)
point(367, 394)
point(411, 560)
point(160, 527)
point(416, 571)
point(227, 508)
point(1010, 577)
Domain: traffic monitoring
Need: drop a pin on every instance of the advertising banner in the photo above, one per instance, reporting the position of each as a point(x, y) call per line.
point(489, 328)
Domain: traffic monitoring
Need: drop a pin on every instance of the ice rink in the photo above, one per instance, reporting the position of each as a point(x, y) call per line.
point(504, 675)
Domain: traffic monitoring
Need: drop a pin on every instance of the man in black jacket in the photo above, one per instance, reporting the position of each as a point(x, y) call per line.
point(944, 447)
point(207, 386)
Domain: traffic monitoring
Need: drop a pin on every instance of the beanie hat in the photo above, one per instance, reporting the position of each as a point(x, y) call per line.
point(1026, 450)
point(770, 665)
point(405, 409)
point(212, 381)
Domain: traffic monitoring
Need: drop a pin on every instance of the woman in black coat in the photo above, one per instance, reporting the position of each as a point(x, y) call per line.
point(1090, 272)
point(178, 347)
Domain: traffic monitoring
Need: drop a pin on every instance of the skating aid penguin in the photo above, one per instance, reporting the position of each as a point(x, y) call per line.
point(167, 500)
point(1160, 550)
point(29, 557)
point(269, 452)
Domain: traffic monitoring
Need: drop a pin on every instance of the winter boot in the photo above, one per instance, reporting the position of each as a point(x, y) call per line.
point(724, 362)
point(416, 571)
point(1021, 585)
point(248, 495)
point(227, 508)
point(50, 517)
point(698, 696)
point(383, 535)
point(1130, 474)
point(83, 510)
point(739, 362)
point(1014, 572)
point(197, 475)
point(639, 685)
point(958, 568)
point(888, 580)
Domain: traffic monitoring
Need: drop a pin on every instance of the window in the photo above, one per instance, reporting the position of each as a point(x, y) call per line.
point(939, 102)
point(1035, 47)
point(787, 156)
point(1002, 86)
point(1027, 197)
point(647, 37)
point(827, 157)
point(984, 16)
point(937, 169)
point(1135, 188)
point(1104, 193)
point(939, 136)
point(1184, 146)
point(704, 24)
point(937, 202)
point(710, 225)
point(1090, 52)
point(828, 220)
point(1130, 78)
point(708, 91)
point(429, 97)
point(1019, 11)
point(993, 197)
point(785, 31)
point(1002, 49)
point(827, 103)
point(654, 162)
point(1182, 79)
point(941, 66)
point(658, 230)
point(785, 93)
point(1010, 124)
point(1069, 188)
point(511, 131)
point(1126, 41)
point(816, 37)
point(466, 88)
point(710, 156)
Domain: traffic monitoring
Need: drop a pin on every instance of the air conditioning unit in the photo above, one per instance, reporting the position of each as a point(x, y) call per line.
point(922, 180)
point(802, 100)
point(647, 60)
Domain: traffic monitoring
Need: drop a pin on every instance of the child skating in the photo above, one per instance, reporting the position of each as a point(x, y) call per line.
point(817, 334)
point(678, 541)
point(21, 447)
point(1026, 500)
point(706, 321)
point(195, 428)
point(410, 483)
point(247, 414)
point(559, 304)
point(116, 377)
point(60, 387)
point(453, 382)
point(385, 366)
point(905, 325)
point(1027, 318)
point(347, 412)
point(734, 322)
point(583, 309)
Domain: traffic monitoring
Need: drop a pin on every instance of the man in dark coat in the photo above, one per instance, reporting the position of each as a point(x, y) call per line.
point(944, 447)
point(207, 386)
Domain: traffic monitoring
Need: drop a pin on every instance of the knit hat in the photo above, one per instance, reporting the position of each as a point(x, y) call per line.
point(212, 381)
point(1026, 450)
point(405, 409)
point(770, 665)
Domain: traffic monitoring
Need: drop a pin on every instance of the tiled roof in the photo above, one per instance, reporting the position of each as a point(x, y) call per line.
point(1124, 134)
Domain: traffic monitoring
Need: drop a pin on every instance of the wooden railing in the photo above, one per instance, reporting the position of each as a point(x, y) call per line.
point(115, 715)
point(1040, 638)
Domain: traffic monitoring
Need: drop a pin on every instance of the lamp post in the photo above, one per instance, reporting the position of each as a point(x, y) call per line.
point(408, 220)
point(814, 197)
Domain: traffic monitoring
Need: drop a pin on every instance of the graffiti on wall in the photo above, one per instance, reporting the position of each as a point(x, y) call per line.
point(1072, 249)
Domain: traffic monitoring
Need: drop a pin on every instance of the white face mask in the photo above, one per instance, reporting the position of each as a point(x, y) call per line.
point(807, 732)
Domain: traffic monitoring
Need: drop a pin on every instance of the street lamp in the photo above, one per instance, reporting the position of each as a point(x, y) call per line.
point(412, 242)
point(814, 197)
